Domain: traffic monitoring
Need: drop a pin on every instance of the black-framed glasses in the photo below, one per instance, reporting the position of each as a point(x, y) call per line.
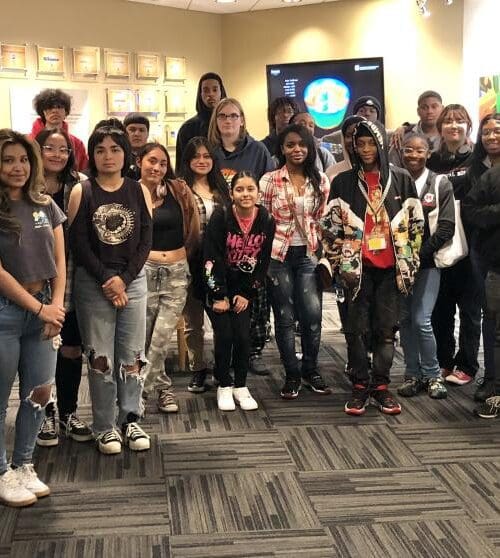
point(223, 116)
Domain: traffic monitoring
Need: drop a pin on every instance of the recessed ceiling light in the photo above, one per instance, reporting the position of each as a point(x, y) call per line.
point(225, 1)
point(291, 1)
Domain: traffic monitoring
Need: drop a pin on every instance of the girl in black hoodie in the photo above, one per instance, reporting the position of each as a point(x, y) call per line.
point(236, 255)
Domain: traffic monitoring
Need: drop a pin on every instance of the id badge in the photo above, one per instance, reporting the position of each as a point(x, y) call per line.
point(376, 241)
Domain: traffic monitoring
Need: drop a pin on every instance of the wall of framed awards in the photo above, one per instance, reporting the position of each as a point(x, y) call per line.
point(125, 81)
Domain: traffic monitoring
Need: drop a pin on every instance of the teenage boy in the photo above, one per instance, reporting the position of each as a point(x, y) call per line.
point(210, 92)
point(279, 114)
point(429, 107)
point(371, 235)
point(53, 107)
point(137, 128)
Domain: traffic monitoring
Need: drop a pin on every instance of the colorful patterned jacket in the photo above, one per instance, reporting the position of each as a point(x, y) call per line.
point(342, 227)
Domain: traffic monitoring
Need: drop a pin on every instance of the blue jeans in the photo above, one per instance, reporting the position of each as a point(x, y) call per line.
point(295, 294)
point(23, 349)
point(417, 335)
point(118, 335)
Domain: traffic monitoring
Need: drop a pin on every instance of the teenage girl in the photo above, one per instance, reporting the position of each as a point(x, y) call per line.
point(236, 254)
point(110, 237)
point(32, 279)
point(175, 236)
point(202, 175)
point(60, 176)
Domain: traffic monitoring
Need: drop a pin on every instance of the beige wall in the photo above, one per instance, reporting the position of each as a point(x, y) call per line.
point(419, 53)
point(115, 24)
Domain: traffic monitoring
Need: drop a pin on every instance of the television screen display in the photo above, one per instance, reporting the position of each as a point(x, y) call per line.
point(328, 89)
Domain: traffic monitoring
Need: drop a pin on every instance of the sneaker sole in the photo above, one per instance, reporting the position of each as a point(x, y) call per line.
point(20, 504)
point(386, 410)
point(133, 447)
point(109, 451)
point(196, 389)
point(47, 443)
point(41, 493)
point(456, 381)
point(168, 409)
point(354, 412)
point(309, 386)
point(440, 396)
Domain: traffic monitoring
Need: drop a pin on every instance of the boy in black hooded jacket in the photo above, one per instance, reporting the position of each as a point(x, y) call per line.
point(371, 235)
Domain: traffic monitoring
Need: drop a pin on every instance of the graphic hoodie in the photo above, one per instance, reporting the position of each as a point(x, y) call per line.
point(342, 228)
point(235, 263)
point(198, 124)
point(250, 155)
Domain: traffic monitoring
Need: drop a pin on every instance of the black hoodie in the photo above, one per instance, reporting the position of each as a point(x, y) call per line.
point(198, 124)
point(342, 227)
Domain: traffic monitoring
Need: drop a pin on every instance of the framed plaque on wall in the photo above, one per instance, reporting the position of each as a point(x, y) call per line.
point(50, 60)
point(148, 66)
point(13, 57)
point(86, 60)
point(175, 68)
point(117, 63)
point(120, 101)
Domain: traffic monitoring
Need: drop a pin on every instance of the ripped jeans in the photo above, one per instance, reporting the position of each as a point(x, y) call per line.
point(118, 335)
point(23, 350)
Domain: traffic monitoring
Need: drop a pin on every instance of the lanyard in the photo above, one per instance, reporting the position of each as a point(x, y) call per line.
point(367, 197)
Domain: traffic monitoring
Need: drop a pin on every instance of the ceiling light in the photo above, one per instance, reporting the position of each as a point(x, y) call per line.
point(225, 1)
point(448, 2)
point(291, 1)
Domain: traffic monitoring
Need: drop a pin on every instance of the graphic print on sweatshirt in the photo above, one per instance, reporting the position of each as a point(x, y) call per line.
point(113, 223)
point(243, 251)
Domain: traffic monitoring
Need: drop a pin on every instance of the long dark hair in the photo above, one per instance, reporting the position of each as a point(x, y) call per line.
point(309, 165)
point(479, 153)
point(161, 190)
point(68, 174)
point(216, 182)
point(34, 187)
point(119, 137)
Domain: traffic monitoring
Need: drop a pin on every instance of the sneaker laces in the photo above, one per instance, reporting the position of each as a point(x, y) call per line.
point(494, 401)
point(134, 431)
point(166, 398)
point(49, 425)
point(111, 436)
point(27, 471)
point(73, 422)
point(11, 479)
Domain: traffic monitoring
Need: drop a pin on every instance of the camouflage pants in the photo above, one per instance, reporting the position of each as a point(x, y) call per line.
point(167, 287)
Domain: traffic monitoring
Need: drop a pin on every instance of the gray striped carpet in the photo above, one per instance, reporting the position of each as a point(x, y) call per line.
point(292, 479)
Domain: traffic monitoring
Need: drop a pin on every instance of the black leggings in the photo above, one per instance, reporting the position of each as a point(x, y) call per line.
point(231, 345)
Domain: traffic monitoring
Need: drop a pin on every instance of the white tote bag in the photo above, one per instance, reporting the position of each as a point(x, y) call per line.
point(455, 249)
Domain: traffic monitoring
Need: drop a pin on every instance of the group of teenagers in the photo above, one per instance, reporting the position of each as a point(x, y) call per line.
point(103, 254)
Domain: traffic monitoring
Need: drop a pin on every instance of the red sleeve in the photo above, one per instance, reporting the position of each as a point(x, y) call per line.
point(81, 159)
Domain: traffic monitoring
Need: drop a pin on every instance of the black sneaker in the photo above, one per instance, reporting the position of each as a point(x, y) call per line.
point(197, 383)
point(436, 388)
point(411, 387)
point(75, 428)
point(485, 390)
point(47, 435)
point(382, 398)
point(490, 408)
point(291, 389)
point(358, 401)
point(316, 383)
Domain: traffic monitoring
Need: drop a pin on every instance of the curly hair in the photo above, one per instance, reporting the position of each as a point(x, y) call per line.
point(51, 98)
point(35, 185)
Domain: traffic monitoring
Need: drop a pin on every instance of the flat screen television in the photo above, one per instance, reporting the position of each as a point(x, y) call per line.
point(327, 89)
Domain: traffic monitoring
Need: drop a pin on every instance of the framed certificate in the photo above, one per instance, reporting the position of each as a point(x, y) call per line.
point(175, 100)
point(117, 63)
point(86, 61)
point(175, 68)
point(50, 60)
point(147, 101)
point(13, 57)
point(120, 101)
point(148, 66)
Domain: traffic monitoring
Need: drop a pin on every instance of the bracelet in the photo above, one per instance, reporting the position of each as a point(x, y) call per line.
point(39, 310)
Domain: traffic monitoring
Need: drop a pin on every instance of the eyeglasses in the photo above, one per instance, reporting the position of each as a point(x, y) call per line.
point(411, 151)
point(233, 116)
point(64, 151)
point(486, 133)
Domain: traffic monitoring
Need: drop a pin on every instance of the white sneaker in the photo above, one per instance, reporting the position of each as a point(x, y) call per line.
point(136, 438)
point(225, 400)
point(244, 398)
point(110, 442)
point(29, 479)
point(13, 493)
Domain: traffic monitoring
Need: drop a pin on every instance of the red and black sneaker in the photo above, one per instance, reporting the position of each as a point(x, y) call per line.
point(358, 401)
point(382, 398)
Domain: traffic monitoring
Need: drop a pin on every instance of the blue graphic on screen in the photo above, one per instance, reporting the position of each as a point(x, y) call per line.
point(327, 100)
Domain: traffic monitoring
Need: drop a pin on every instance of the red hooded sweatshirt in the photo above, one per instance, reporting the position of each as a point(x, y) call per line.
point(81, 159)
